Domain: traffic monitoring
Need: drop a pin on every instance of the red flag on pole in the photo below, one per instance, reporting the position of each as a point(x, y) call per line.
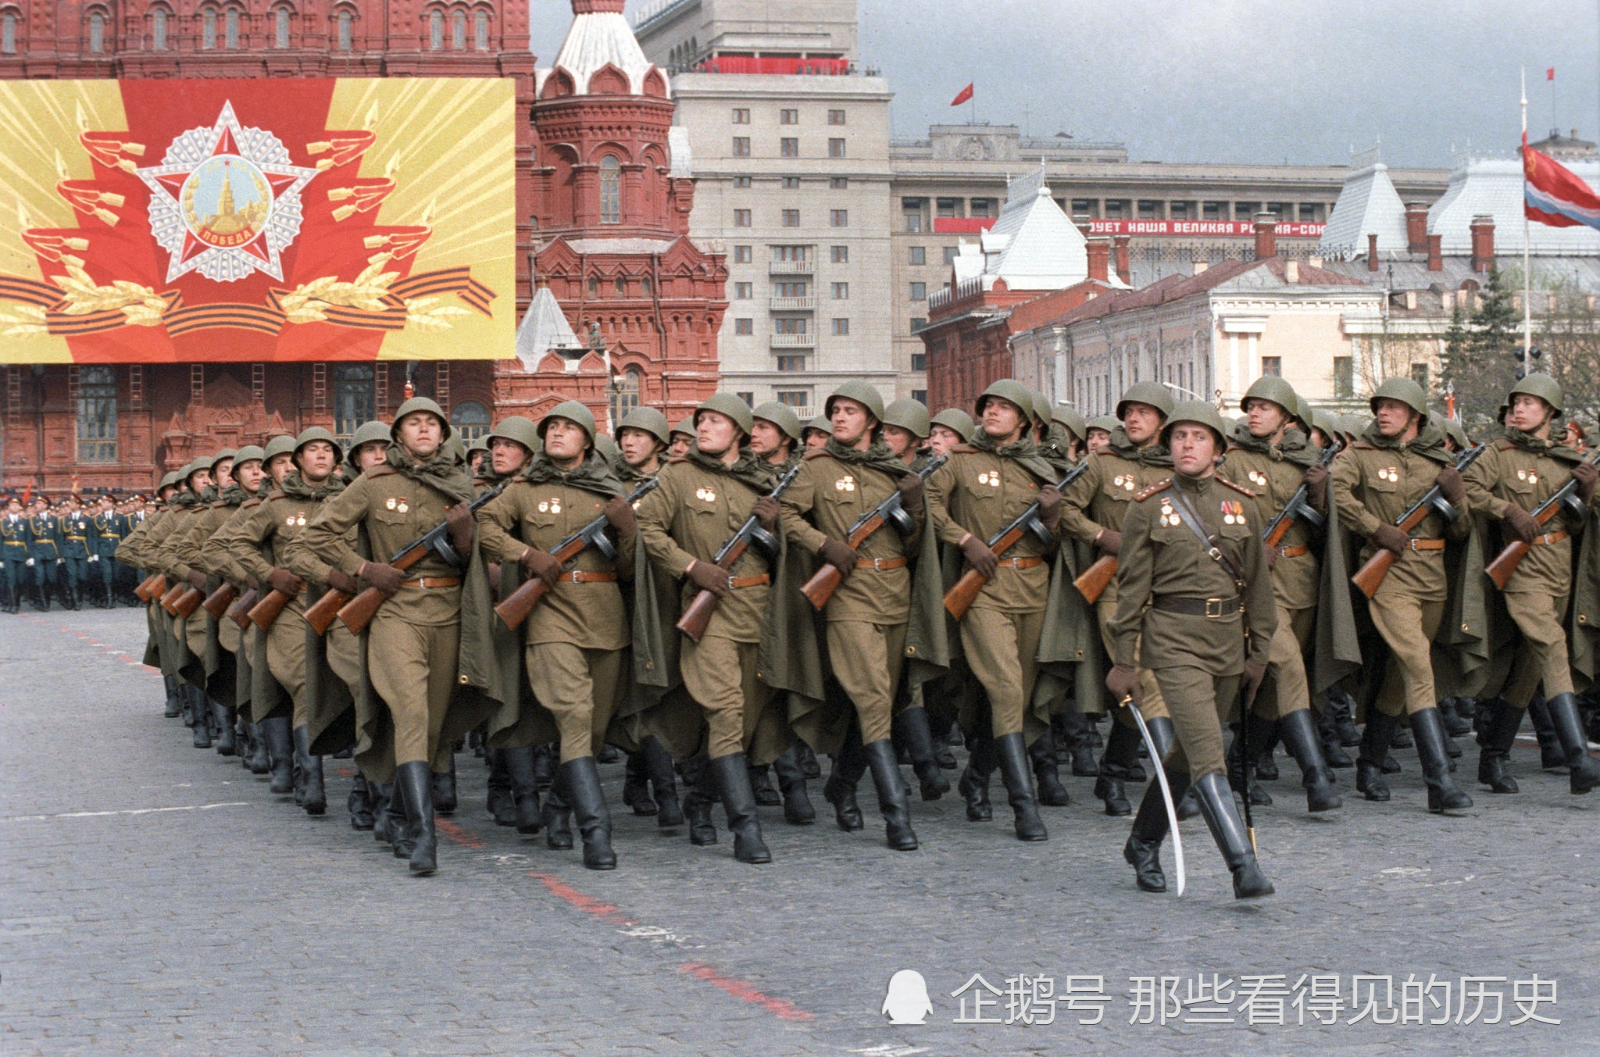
point(962, 96)
point(1550, 74)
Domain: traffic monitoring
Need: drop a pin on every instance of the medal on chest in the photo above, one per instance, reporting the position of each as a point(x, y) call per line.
point(550, 506)
point(847, 483)
point(398, 504)
point(1125, 482)
point(1168, 518)
point(1388, 473)
point(295, 521)
point(1232, 513)
point(1531, 476)
point(705, 494)
point(989, 478)
point(1257, 478)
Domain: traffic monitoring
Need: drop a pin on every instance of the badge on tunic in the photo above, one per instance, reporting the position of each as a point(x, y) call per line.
point(300, 521)
point(1389, 473)
point(1533, 477)
point(555, 506)
point(1522, 475)
point(403, 507)
point(289, 521)
point(390, 503)
point(544, 507)
point(847, 483)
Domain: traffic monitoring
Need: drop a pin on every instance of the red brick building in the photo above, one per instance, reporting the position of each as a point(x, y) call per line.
point(602, 218)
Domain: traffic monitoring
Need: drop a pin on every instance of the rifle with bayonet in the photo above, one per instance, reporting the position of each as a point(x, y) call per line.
point(959, 598)
point(826, 580)
point(697, 616)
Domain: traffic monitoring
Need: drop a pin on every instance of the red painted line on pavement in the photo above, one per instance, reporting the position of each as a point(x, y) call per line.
point(457, 834)
point(745, 992)
point(120, 655)
point(561, 890)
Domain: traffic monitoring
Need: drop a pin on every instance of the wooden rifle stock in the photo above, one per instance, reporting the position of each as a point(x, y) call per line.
point(169, 600)
point(1370, 576)
point(1093, 581)
point(239, 612)
point(516, 606)
point(187, 603)
point(697, 617)
point(1279, 530)
point(1506, 562)
point(322, 614)
point(959, 598)
point(218, 601)
point(826, 580)
point(152, 587)
point(264, 612)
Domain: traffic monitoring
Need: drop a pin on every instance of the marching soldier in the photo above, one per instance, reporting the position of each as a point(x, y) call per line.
point(774, 434)
point(986, 485)
point(948, 428)
point(74, 553)
point(1398, 458)
point(815, 433)
point(682, 437)
point(642, 441)
point(1099, 430)
point(1271, 457)
point(107, 528)
point(211, 684)
point(1518, 472)
point(44, 552)
point(905, 430)
point(1132, 460)
point(14, 545)
point(1195, 602)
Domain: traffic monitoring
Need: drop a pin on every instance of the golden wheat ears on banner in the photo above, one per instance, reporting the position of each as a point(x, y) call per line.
point(309, 302)
point(80, 296)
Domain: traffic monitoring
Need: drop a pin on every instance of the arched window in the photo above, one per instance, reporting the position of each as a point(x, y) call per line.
point(594, 287)
point(344, 33)
point(8, 33)
point(610, 190)
point(232, 30)
point(280, 28)
point(625, 394)
point(208, 28)
point(97, 33)
point(458, 31)
point(621, 285)
point(435, 30)
point(480, 39)
point(158, 30)
point(353, 397)
point(97, 414)
point(470, 420)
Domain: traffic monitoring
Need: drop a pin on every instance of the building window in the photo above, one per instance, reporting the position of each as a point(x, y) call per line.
point(621, 286)
point(97, 414)
point(1419, 374)
point(839, 183)
point(791, 363)
point(919, 291)
point(794, 397)
point(788, 326)
point(741, 115)
point(919, 361)
point(610, 190)
point(469, 420)
point(791, 218)
point(741, 218)
point(788, 117)
point(836, 117)
point(97, 33)
point(836, 148)
point(789, 147)
point(208, 28)
point(741, 181)
point(839, 218)
point(789, 290)
point(789, 253)
point(480, 32)
point(951, 253)
point(841, 254)
point(625, 395)
point(353, 397)
point(594, 287)
point(748, 398)
point(841, 291)
point(918, 255)
point(8, 31)
point(841, 328)
point(1344, 378)
point(744, 326)
point(458, 31)
point(743, 255)
point(791, 183)
point(947, 207)
point(1272, 366)
point(984, 207)
point(913, 222)
point(741, 146)
point(344, 31)
point(280, 28)
point(231, 28)
point(435, 30)
point(918, 322)
point(743, 291)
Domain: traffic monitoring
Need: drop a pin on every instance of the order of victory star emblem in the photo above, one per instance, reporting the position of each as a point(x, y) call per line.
point(225, 201)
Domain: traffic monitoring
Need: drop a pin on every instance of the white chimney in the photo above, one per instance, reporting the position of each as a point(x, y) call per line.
point(1291, 272)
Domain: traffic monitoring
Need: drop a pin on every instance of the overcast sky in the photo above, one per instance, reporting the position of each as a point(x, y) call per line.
point(1260, 81)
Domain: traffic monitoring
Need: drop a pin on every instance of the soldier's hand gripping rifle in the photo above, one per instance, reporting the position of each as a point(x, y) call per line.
point(1370, 576)
point(516, 606)
point(826, 580)
point(697, 616)
point(959, 598)
point(358, 612)
point(1298, 508)
point(1506, 562)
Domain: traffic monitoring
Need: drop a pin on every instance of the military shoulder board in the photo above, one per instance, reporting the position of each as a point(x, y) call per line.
point(1236, 487)
point(1155, 489)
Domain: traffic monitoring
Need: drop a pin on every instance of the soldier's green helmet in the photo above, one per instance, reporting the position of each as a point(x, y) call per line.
point(1404, 390)
point(249, 453)
point(1455, 432)
point(730, 406)
point(1041, 407)
point(1542, 386)
point(420, 403)
point(573, 411)
point(519, 429)
point(862, 393)
point(821, 424)
point(1199, 411)
point(1153, 394)
point(1104, 423)
point(1304, 413)
point(1326, 421)
point(368, 432)
point(1270, 387)
point(225, 453)
point(194, 467)
point(685, 427)
point(1070, 420)
point(647, 420)
point(1012, 392)
point(606, 447)
point(910, 415)
point(282, 444)
point(478, 444)
point(318, 433)
point(169, 479)
point(780, 415)
point(953, 418)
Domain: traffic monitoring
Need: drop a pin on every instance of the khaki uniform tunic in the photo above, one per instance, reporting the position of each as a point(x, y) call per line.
point(577, 634)
point(1197, 660)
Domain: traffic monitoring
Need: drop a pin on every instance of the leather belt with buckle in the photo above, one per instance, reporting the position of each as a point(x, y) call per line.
point(578, 576)
point(1293, 552)
point(1021, 563)
point(880, 563)
point(433, 581)
point(1551, 537)
point(735, 582)
point(1196, 607)
point(1426, 545)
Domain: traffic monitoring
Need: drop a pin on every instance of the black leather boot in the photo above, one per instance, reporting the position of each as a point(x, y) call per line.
point(761, 786)
point(1076, 729)
point(1122, 752)
point(1374, 747)
point(1494, 746)
point(200, 710)
point(176, 702)
point(849, 764)
point(893, 801)
point(582, 783)
point(732, 777)
point(697, 802)
point(545, 758)
point(1333, 753)
point(1150, 826)
point(1222, 819)
point(1266, 762)
point(1012, 752)
point(1563, 709)
point(810, 766)
point(280, 750)
point(1045, 769)
point(414, 782)
point(1454, 724)
point(658, 765)
point(636, 786)
point(312, 796)
point(1343, 708)
point(258, 762)
point(556, 817)
point(1240, 776)
point(974, 783)
point(797, 807)
point(1443, 793)
point(519, 765)
point(1300, 738)
point(500, 803)
point(227, 739)
point(444, 789)
point(917, 734)
point(359, 804)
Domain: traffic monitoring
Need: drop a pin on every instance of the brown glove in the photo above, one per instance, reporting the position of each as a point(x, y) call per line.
point(619, 512)
point(1273, 554)
point(461, 522)
point(251, 582)
point(385, 578)
point(1451, 486)
point(839, 555)
point(1110, 541)
point(1123, 682)
point(1390, 538)
point(766, 512)
point(980, 557)
point(708, 576)
point(1586, 474)
point(541, 564)
point(1250, 682)
point(285, 581)
point(343, 582)
point(910, 489)
point(1050, 506)
point(1519, 523)
point(197, 579)
point(1316, 482)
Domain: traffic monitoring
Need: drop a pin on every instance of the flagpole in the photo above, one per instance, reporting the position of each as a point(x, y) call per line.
point(1527, 274)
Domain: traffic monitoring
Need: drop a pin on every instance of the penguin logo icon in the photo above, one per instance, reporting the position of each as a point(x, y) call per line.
point(907, 999)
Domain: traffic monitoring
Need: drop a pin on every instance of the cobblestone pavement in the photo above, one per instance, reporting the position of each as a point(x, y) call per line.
point(156, 899)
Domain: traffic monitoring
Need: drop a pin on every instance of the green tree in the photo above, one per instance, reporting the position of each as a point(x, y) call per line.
point(1479, 365)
